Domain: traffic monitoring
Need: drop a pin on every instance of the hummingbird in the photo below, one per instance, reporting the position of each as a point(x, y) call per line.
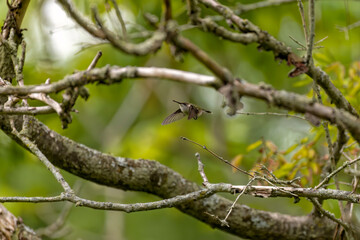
point(185, 109)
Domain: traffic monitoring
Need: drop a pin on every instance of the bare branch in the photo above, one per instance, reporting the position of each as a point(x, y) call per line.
point(299, 43)
point(242, 8)
point(13, 227)
point(14, 18)
point(201, 170)
point(217, 156)
point(221, 72)
point(115, 171)
point(149, 46)
point(110, 75)
point(328, 177)
point(35, 150)
point(114, 74)
point(120, 18)
point(281, 51)
point(26, 110)
point(310, 40)
point(237, 199)
point(301, 10)
point(136, 207)
point(55, 226)
point(95, 60)
point(271, 114)
point(84, 22)
point(329, 214)
point(19, 67)
point(256, 191)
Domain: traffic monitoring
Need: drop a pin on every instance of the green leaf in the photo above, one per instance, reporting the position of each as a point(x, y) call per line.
point(284, 170)
point(254, 145)
point(290, 149)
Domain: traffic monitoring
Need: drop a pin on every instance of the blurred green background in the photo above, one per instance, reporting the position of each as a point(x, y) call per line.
point(125, 119)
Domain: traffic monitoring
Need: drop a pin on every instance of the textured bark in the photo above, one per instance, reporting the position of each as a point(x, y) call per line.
point(13, 228)
point(155, 178)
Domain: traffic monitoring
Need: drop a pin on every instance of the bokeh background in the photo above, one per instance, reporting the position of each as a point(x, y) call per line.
point(125, 119)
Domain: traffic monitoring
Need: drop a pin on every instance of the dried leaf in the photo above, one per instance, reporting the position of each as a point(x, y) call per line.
point(299, 63)
point(236, 161)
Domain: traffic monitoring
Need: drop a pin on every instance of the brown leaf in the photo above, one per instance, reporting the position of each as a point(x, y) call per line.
point(299, 63)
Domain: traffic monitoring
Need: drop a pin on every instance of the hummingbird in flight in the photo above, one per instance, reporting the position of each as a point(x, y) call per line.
point(185, 109)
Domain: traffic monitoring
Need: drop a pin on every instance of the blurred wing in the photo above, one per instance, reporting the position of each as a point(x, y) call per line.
point(193, 112)
point(177, 115)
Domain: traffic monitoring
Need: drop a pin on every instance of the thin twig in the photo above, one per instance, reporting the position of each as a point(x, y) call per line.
point(257, 191)
point(56, 225)
point(35, 150)
point(352, 172)
point(217, 156)
point(242, 8)
point(94, 61)
point(299, 43)
point(120, 18)
point(271, 114)
point(221, 72)
point(301, 9)
point(148, 46)
point(20, 80)
point(329, 214)
point(321, 40)
point(201, 170)
point(83, 21)
point(310, 42)
point(136, 207)
point(328, 177)
point(324, 124)
point(279, 181)
point(237, 199)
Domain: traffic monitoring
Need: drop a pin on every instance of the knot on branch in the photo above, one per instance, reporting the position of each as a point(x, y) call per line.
point(69, 99)
point(70, 96)
point(131, 72)
point(232, 98)
point(299, 63)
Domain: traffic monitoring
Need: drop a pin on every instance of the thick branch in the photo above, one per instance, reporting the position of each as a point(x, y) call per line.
point(152, 177)
point(110, 75)
point(282, 99)
point(13, 228)
point(281, 51)
point(14, 17)
point(301, 104)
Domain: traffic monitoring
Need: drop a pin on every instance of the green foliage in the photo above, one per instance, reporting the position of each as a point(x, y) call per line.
point(125, 119)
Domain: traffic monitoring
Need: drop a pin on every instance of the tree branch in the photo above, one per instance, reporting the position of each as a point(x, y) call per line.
point(14, 228)
point(282, 99)
point(152, 177)
point(281, 51)
point(150, 45)
point(242, 8)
